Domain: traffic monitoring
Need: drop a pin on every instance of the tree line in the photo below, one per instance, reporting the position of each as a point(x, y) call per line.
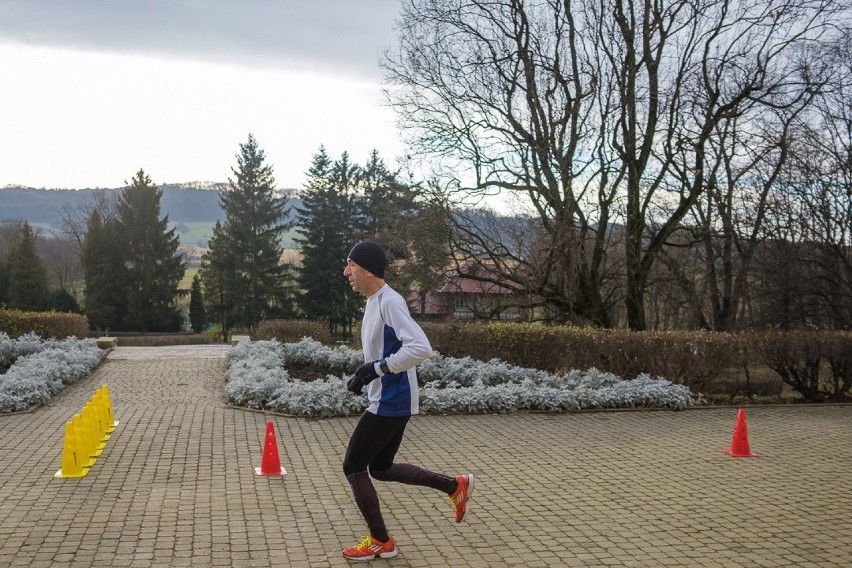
point(120, 261)
point(245, 280)
point(680, 164)
point(131, 265)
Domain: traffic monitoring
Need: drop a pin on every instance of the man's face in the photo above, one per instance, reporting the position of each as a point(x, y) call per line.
point(358, 277)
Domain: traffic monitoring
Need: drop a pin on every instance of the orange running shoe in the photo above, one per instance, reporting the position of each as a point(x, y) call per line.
point(369, 548)
point(461, 498)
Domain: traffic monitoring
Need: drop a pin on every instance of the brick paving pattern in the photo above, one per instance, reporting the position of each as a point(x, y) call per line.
point(175, 485)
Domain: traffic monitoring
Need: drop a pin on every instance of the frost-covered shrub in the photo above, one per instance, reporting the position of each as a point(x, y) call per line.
point(257, 378)
point(268, 354)
point(253, 386)
point(595, 390)
point(7, 351)
point(440, 371)
point(324, 398)
point(309, 352)
point(38, 369)
point(11, 349)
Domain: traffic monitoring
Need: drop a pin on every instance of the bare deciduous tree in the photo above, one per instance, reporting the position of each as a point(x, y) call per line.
point(594, 112)
point(61, 256)
point(75, 218)
point(812, 214)
point(498, 96)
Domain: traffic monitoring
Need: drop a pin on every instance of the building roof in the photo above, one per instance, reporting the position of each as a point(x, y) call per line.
point(462, 285)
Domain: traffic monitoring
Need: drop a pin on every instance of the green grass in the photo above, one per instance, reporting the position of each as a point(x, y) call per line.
point(186, 283)
point(198, 233)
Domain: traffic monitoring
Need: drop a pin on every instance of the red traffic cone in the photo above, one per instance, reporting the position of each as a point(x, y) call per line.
point(270, 464)
point(739, 444)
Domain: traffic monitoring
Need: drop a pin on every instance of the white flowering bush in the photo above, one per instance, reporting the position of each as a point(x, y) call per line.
point(258, 378)
point(37, 369)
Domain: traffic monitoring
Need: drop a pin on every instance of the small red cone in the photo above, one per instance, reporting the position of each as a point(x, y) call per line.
point(739, 444)
point(270, 464)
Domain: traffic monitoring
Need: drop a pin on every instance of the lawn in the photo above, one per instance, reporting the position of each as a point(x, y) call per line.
point(198, 233)
point(195, 233)
point(186, 283)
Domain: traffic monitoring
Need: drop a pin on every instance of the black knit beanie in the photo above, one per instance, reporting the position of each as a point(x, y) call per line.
point(370, 256)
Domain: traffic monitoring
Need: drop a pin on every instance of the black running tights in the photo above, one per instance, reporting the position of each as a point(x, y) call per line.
point(372, 449)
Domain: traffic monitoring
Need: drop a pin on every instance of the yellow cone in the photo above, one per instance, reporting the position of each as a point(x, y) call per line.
point(91, 421)
point(86, 435)
point(111, 422)
point(101, 413)
point(72, 458)
point(84, 431)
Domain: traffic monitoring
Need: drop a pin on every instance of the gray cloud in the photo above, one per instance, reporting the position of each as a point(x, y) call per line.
point(344, 36)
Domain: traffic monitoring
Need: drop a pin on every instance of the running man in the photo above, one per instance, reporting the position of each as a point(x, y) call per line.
point(393, 345)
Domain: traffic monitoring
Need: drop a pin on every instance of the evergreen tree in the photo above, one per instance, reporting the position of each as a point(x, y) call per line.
point(104, 273)
point(414, 232)
point(28, 289)
point(196, 305)
point(247, 247)
point(428, 257)
point(380, 196)
point(388, 209)
point(219, 281)
point(288, 293)
point(327, 224)
point(154, 267)
point(61, 300)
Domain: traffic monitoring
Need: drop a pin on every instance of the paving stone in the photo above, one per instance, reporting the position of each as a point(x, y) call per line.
point(175, 485)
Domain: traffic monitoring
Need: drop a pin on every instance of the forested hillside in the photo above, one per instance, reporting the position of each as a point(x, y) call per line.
point(44, 207)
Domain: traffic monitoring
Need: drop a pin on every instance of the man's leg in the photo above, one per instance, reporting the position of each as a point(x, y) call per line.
point(413, 475)
point(458, 489)
point(373, 435)
point(368, 503)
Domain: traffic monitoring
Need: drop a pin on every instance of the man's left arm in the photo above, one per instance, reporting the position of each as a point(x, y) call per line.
point(415, 345)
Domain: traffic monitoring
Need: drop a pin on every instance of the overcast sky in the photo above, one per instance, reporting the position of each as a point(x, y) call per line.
point(93, 90)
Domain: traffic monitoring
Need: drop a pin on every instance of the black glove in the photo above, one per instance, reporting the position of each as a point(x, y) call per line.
point(361, 378)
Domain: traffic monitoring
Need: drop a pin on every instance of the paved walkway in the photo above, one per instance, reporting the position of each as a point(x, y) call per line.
point(176, 487)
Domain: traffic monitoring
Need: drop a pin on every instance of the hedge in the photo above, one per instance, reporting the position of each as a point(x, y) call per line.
point(59, 325)
point(292, 331)
point(692, 358)
point(815, 363)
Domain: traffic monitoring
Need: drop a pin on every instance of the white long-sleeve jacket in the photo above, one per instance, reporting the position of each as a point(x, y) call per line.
point(389, 332)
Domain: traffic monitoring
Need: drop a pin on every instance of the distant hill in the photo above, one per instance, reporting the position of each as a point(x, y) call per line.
point(183, 203)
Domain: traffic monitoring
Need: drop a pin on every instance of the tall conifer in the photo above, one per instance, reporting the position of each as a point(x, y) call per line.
point(411, 229)
point(243, 260)
point(327, 224)
point(28, 289)
point(196, 306)
point(104, 273)
point(219, 282)
point(154, 267)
